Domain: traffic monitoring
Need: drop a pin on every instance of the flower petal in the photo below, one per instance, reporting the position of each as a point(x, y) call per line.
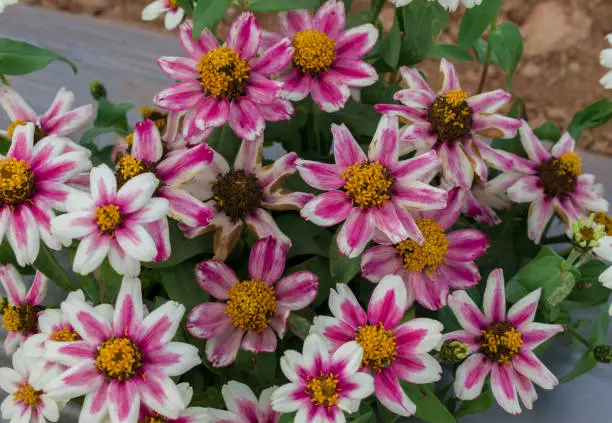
point(494, 301)
point(129, 307)
point(136, 241)
point(388, 303)
point(417, 368)
point(413, 194)
point(267, 260)
point(353, 72)
point(530, 366)
point(90, 253)
point(495, 126)
point(123, 402)
point(76, 381)
point(262, 224)
point(15, 106)
point(208, 320)
point(175, 358)
point(334, 330)
point(431, 291)
point(521, 314)
point(179, 68)
point(391, 395)
point(136, 192)
point(456, 166)
point(420, 167)
point(532, 145)
point(466, 244)
point(356, 42)
point(241, 400)
point(564, 145)
point(489, 102)
point(384, 145)
point(526, 189)
point(418, 336)
point(95, 406)
point(322, 176)
point(328, 209)
point(330, 18)
point(160, 326)
point(344, 306)
point(216, 278)
point(504, 391)
point(13, 284)
point(273, 60)
point(466, 312)
point(450, 78)
point(221, 351)
point(184, 95)
point(244, 35)
point(537, 333)
point(540, 213)
point(196, 49)
point(258, 342)
point(294, 21)
point(297, 290)
point(380, 261)
point(160, 393)
point(525, 390)
point(346, 150)
point(147, 144)
point(356, 232)
point(296, 85)
point(23, 236)
point(470, 376)
point(246, 119)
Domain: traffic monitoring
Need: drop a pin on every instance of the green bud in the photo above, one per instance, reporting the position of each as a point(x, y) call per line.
point(586, 234)
point(603, 353)
point(97, 89)
point(454, 351)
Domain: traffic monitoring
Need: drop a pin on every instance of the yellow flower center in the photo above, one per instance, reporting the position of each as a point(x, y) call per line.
point(27, 395)
point(159, 118)
point(323, 390)
point(129, 167)
point(429, 255)
point(314, 51)
point(21, 318)
point(451, 116)
point(119, 358)
point(172, 4)
point(39, 133)
point(129, 139)
point(153, 419)
point(65, 334)
point(379, 346)
point(16, 181)
point(558, 175)
point(368, 184)
point(251, 304)
point(108, 218)
point(501, 342)
point(604, 219)
point(223, 73)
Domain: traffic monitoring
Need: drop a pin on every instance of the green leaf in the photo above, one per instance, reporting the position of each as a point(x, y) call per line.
point(112, 115)
point(385, 415)
point(368, 417)
point(20, 58)
point(342, 268)
point(298, 325)
point(380, 92)
point(187, 6)
point(600, 326)
point(179, 282)
point(265, 367)
point(391, 45)
point(476, 20)
point(91, 134)
point(428, 405)
point(507, 45)
point(110, 282)
point(423, 22)
point(592, 116)
point(586, 363)
point(207, 14)
point(451, 52)
point(47, 263)
point(478, 405)
point(320, 267)
point(286, 418)
point(480, 50)
point(588, 289)
point(548, 131)
point(280, 5)
point(183, 248)
point(5, 144)
point(307, 238)
point(225, 142)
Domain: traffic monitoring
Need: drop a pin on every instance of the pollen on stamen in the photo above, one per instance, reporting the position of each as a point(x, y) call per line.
point(251, 305)
point(323, 390)
point(108, 218)
point(16, 181)
point(501, 342)
point(429, 255)
point(119, 358)
point(223, 73)
point(27, 395)
point(314, 51)
point(368, 184)
point(451, 116)
point(379, 346)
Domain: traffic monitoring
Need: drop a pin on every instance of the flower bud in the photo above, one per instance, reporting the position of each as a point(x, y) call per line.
point(97, 89)
point(454, 351)
point(603, 353)
point(586, 234)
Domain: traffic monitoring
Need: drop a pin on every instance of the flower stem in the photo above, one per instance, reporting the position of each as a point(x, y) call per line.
point(485, 69)
point(314, 138)
point(572, 332)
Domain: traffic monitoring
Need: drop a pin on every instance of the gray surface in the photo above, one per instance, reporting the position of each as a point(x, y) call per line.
point(124, 59)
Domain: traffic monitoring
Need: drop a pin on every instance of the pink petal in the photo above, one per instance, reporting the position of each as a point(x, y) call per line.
point(431, 291)
point(91, 253)
point(22, 143)
point(471, 340)
point(356, 232)
point(344, 306)
point(181, 68)
point(346, 150)
point(536, 333)
point(540, 213)
point(414, 79)
point(330, 93)
point(504, 391)
point(419, 167)
point(37, 292)
point(137, 242)
point(380, 261)
point(417, 368)
point(297, 290)
point(495, 126)
point(384, 145)
point(532, 145)
point(523, 311)
point(412, 97)
point(174, 358)
point(466, 312)
point(208, 320)
point(244, 35)
point(456, 166)
point(129, 307)
point(13, 284)
point(462, 275)
point(526, 190)
point(103, 185)
point(277, 110)
point(267, 260)
point(413, 194)
point(447, 216)
point(353, 72)
point(387, 220)
point(271, 176)
point(335, 331)
point(70, 122)
point(409, 115)
point(322, 176)
point(186, 208)
point(23, 236)
point(196, 49)
point(260, 341)
point(294, 21)
point(355, 42)
point(328, 209)
point(564, 145)
point(181, 167)
point(262, 90)
point(147, 144)
point(330, 18)
point(391, 395)
point(489, 102)
point(388, 303)
point(221, 351)
point(15, 106)
point(96, 404)
point(262, 224)
point(87, 322)
point(76, 381)
point(296, 85)
point(246, 119)
point(274, 59)
point(494, 301)
point(466, 244)
point(530, 366)
point(470, 376)
point(159, 393)
point(160, 326)
point(123, 402)
point(216, 278)
point(183, 95)
point(567, 208)
point(69, 353)
point(525, 390)
point(450, 78)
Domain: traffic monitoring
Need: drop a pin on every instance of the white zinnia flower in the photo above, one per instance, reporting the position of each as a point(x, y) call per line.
point(174, 14)
point(606, 61)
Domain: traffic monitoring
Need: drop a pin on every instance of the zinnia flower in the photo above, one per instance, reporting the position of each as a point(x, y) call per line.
point(58, 120)
point(501, 344)
point(26, 384)
point(606, 61)
point(33, 183)
point(550, 181)
point(450, 5)
point(188, 415)
point(444, 260)
point(174, 13)
point(173, 169)
point(246, 96)
point(257, 307)
point(112, 222)
point(326, 59)
point(453, 124)
point(323, 386)
point(123, 362)
point(20, 317)
point(243, 406)
point(243, 195)
point(391, 350)
point(368, 192)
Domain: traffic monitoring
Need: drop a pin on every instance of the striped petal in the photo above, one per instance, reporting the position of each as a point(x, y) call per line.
point(274, 59)
point(15, 106)
point(294, 21)
point(344, 306)
point(466, 245)
point(38, 290)
point(356, 42)
point(297, 290)
point(147, 144)
point(466, 312)
point(415, 80)
point(267, 260)
point(356, 232)
point(388, 302)
point(246, 119)
point(504, 391)
point(470, 377)
point(417, 195)
point(450, 80)
point(564, 145)
point(13, 284)
point(530, 366)
point(353, 72)
point(540, 213)
point(532, 145)
point(328, 209)
point(494, 302)
point(521, 314)
point(330, 18)
point(183, 95)
point(208, 320)
point(380, 261)
point(489, 102)
point(330, 93)
point(391, 395)
point(180, 68)
point(244, 35)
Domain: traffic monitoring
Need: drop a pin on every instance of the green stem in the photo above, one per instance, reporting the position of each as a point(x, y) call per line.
point(47, 264)
point(314, 138)
point(4, 80)
point(485, 69)
point(572, 332)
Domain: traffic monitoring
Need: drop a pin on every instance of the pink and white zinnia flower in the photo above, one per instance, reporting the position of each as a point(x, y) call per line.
point(246, 96)
point(257, 307)
point(368, 191)
point(501, 344)
point(122, 363)
point(244, 196)
point(112, 222)
point(173, 169)
point(453, 124)
point(174, 13)
point(444, 260)
point(551, 181)
point(188, 415)
point(391, 350)
point(33, 182)
point(20, 317)
point(243, 406)
point(323, 386)
point(28, 400)
point(326, 60)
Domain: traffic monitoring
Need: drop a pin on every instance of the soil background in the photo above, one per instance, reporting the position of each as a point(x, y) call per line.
point(558, 75)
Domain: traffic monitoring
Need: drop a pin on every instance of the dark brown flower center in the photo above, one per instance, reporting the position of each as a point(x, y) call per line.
point(558, 175)
point(237, 194)
point(501, 342)
point(451, 116)
point(21, 318)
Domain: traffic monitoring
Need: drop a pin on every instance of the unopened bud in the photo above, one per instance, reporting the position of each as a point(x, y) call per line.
point(603, 353)
point(454, 351)
point(97, 89)
point(586, 234)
